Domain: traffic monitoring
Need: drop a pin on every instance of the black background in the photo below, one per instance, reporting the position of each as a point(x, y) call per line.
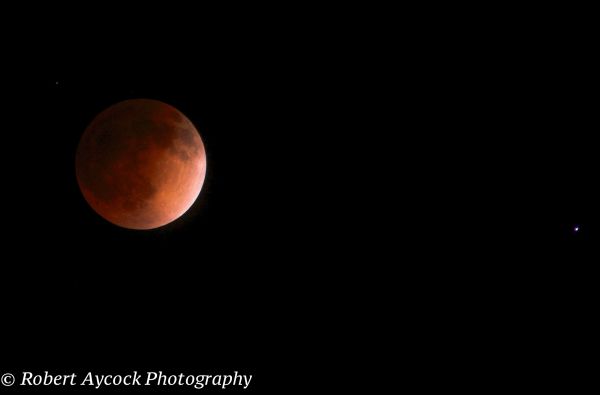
point(362, 168)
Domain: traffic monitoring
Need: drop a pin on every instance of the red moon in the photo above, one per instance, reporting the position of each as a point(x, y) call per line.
point(140, 164)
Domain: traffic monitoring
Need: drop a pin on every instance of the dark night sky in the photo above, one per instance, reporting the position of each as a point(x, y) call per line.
point(331, 165)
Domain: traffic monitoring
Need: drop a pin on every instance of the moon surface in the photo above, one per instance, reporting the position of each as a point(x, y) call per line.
point(140, 164)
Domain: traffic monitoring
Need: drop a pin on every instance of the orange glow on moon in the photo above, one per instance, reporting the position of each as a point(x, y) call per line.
point(141, 164)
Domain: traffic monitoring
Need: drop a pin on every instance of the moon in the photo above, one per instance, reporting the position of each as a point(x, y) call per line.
point(140, 164)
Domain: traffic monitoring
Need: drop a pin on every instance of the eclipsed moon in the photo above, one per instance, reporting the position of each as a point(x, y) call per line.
point(141, 164)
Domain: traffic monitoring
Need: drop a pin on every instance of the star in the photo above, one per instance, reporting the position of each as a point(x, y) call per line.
point(576, 229)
